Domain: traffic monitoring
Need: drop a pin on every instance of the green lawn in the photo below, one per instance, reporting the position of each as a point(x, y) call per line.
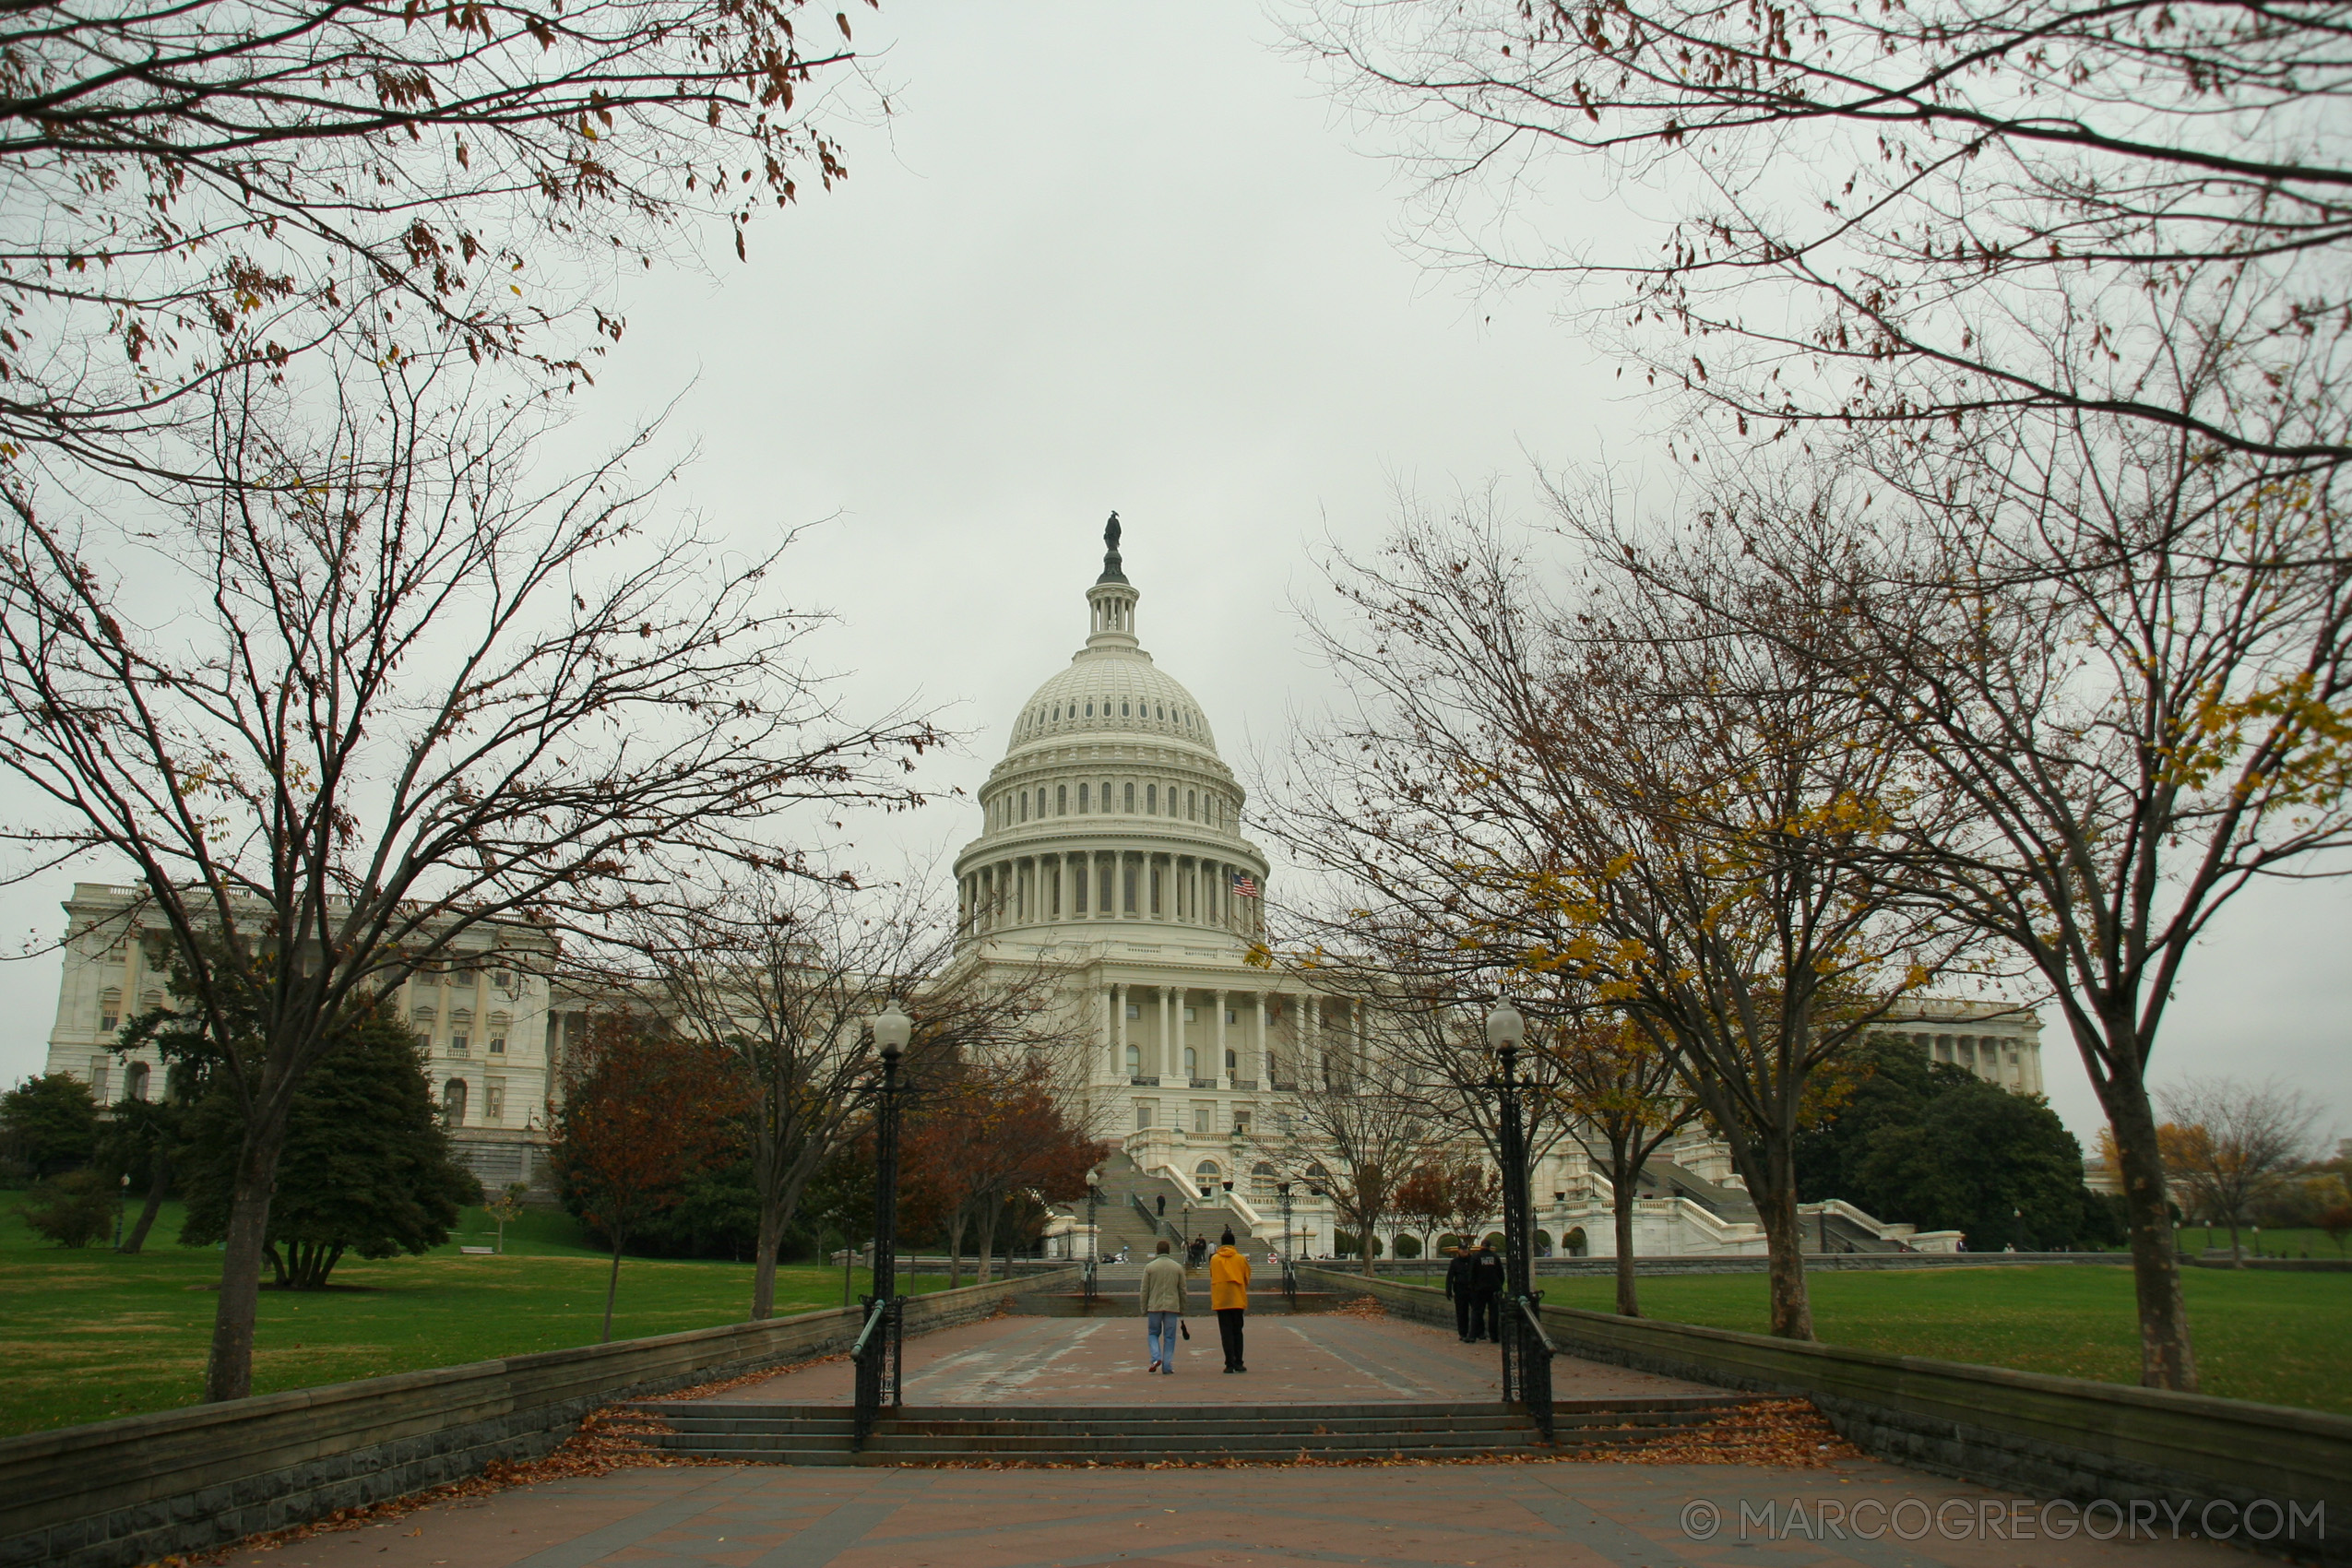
point(88, 1335)
point(2274, 1337)
point(2301, 1242)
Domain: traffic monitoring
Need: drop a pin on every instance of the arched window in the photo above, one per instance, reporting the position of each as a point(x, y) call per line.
point(1232, 1065)
point(1207, 1178)
point(1192, 1062)
point(1135, 1060)
point(1122, 712)
point(1262, 1181)
point(1161, 712)
point(1131, 800)
point(1151, 800)
point(1082, 800)
point(1089, 709)
point(1024, 806)
point(1062, 799)
point(135, 1081)
point(1192, 806)
point(453, 1103)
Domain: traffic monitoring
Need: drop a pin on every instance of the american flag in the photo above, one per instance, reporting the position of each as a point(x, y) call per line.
point(1244, 886)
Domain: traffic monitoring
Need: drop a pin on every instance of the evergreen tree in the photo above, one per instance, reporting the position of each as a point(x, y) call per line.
point(367, 1166)
point(51, 1120)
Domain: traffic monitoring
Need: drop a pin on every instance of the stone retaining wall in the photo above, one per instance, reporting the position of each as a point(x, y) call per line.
point(115, 1493)
point(2047, 1437)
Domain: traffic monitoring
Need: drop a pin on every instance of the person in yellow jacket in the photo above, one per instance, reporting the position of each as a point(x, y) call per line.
point(1228, 1294)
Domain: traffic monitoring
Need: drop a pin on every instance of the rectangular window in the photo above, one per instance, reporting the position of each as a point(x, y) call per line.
point(503, 979)
point(1201, 1114)
point(99, 1067)
point(1144, 1109)
point(457, 1042)
point(1231, 1017)
point(1241, 1121)
point(497, 1047)
point(1190, 1014)
point(109, 1012)
point(1134, 1010)
point(493, 1102)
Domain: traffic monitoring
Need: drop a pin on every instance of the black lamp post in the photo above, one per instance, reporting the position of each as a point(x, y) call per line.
point(1094, 1237)
point(1527, 1356)
point(877, 1351)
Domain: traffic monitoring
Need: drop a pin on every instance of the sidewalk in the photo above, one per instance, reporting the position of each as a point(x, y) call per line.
point(1326, 1359)
point(1530, 1515)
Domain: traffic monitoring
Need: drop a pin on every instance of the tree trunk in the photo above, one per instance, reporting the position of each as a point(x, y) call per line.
point(1792, 1309)
point(1364, 1239)
point(228, 1372)
point(2166, 1358)
point(156, 1189)
point(989, 1209)
point(771, 1238)
point(1625, 1174)
point(613, 1285)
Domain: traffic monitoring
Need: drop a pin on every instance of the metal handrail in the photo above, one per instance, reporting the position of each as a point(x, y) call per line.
point(877, 1309)
point(1528, 1364)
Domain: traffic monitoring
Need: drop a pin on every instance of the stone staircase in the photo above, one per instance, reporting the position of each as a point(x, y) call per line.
point(1123, 1222)
point(1258, 1434)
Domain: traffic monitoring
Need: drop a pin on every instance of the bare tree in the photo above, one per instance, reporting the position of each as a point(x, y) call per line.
point(1365, 1125)
point(197, 194)
point(1899, 215)
point(1584, 789)
point(782, 973)
point(2117, 662)
point(2229, 1144)
point(1620, 1083)
point(337, 724)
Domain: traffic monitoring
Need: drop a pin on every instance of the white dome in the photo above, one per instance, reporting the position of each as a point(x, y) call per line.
point(1111, 690)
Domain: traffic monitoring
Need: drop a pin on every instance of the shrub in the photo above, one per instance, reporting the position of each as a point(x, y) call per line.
point(74, 1210)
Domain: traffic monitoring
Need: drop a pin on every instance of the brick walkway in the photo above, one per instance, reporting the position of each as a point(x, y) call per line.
point(1531, 1515)
point(1318, 1359)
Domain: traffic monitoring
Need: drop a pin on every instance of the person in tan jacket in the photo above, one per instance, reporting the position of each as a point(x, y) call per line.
point(1228, 1293)
point(1163, 1302)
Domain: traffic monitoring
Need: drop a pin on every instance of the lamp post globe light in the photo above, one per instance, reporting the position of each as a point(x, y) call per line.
point(877, 1354)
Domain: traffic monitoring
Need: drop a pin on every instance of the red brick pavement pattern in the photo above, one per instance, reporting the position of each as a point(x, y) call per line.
point(1318, 1359)
point(1532, 1516)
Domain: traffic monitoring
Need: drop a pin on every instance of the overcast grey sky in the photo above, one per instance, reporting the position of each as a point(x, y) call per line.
point(1120, 254)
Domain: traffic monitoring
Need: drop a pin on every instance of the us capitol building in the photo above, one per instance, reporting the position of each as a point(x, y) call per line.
point(1112, 854)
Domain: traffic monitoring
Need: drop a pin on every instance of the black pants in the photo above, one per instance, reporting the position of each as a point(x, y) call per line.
point(1486, 1315)
point(1462, 1315)
point(1229, 1328)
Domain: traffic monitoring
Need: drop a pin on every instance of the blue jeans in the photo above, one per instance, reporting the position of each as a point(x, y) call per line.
point(1160, 1327)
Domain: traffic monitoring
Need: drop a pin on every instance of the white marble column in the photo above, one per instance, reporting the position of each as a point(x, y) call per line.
point(1168, 1063)
point(1265, 1063)
point(1218, 999)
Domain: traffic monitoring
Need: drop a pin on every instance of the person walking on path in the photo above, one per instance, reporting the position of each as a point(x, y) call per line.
point(1195, 1253)
point(1163, 1296)
point(1458, 1290)
point(1486, 1292)
point(1228, 1295)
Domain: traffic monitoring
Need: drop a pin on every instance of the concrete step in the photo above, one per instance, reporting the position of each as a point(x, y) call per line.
point(820, 1434)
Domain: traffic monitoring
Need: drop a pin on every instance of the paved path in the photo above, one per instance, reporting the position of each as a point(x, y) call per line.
point(1321, 1359)
point(1534, 1516)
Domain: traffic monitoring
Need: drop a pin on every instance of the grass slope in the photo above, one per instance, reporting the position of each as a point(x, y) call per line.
point(2271, 1337)
point(87, 1336)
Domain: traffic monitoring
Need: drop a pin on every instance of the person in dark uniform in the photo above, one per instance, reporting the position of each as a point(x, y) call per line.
point(1486, 1292)
point(1458, 1290)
